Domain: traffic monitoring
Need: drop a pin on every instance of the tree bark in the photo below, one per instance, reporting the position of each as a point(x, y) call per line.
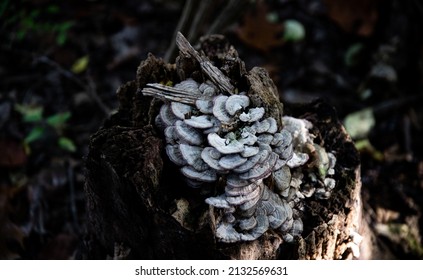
point(140, 208)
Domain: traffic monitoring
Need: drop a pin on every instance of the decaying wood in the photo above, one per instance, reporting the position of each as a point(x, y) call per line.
point(211, 71)
point(170, 93)
point(138, 201)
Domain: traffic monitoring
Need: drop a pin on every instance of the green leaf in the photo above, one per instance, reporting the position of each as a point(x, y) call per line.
point(65, 26)
point(20, 34)
point(66, 144)
point(352, 55)
point(58, 120)
point(80, 64)
point(293, 30)
point(62, 30)
point(61, 38)
point(35, 134)
point(365, 145)
point(30, 113)
point(360, 123)
point(53, 9)
point(28, 23)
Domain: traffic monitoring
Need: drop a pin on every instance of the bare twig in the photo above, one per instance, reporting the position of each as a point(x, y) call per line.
point(89, 88)
point(200, 16)
point(196, 12)
point(182, 26)
point(229, 14)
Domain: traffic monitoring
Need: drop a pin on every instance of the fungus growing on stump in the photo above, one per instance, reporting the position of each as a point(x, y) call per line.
point(235, 171)
point(247, 148)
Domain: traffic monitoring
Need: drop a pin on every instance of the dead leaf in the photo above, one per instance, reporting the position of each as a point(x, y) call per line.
point(12, 154)
point(357, 17)
point(258, 32)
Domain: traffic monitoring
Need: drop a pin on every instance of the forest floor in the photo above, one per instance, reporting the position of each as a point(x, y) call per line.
point(61, 64)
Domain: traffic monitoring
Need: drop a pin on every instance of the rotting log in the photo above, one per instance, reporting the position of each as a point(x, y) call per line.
point(139, 206)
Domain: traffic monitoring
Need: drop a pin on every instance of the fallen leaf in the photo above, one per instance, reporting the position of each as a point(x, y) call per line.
point(357, 17)
point(12, 154)
point(258, 32)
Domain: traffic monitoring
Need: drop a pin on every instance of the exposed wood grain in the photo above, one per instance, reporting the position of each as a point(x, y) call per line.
point(213, 73)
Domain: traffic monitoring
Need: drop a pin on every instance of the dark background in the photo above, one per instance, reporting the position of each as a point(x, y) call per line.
point(61, 63)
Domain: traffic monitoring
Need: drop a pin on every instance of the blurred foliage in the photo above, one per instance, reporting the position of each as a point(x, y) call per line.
point(261, 29)
point(34, 114)
point(23, 21)
point(293, 30)
point(358, 17)
point(360, 123)
point(80, 65)
point(352, 55)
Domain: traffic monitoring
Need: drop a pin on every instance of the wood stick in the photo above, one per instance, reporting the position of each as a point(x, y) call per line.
point(213, 73)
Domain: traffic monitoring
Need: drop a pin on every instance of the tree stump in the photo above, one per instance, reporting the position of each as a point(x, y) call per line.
point(139, 206)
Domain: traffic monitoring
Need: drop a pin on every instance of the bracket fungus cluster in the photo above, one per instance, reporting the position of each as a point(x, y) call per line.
point(217, 136)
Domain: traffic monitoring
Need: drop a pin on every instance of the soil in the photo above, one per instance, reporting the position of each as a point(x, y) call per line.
point(61, 65)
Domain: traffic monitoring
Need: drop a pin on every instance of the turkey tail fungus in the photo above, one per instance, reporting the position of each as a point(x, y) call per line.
point(201, 162)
